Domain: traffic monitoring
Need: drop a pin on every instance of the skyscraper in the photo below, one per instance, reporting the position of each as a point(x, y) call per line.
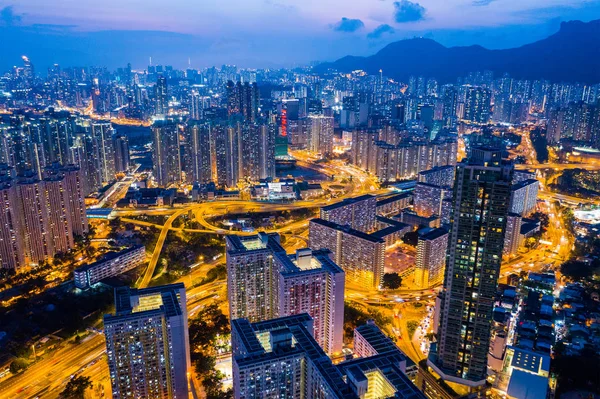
point(34, 218)
point(431, 258)
point(310, 282)
point(279, 358)
point(166, 156)
point(264, 282)
point(102, 136)
point(361, 255)
point(251, 278)
point(73, 187)
point(477, 105)
point(481, 198)
point(359, 212)
point(198, 153)
point(320, 136)
point(161, 97)
point(121, 147)
point(11, 240)
point(60, 229)
point(243, 99)
point(147, 343)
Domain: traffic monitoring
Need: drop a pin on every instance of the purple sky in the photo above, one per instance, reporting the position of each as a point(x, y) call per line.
point(284, 32)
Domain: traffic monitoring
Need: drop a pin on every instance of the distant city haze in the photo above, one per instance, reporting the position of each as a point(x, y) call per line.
point(262, 33)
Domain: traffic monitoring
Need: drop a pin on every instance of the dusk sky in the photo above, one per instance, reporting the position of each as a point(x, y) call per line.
point(260, 33)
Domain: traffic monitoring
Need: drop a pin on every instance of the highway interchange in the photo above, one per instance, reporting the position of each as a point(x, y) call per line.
point(48, 376)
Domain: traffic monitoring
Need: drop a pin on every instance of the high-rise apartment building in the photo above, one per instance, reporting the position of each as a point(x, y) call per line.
point(161, 97)
point(35, 219)
point(121, 146)
point(251, 281)
point(429, 199)
point(440, 176)
point(109, 265)
point(12, 247)
point(360, 255)
point(523, 197)
point(359, 212)
point(477, 105)
point(310, 282)
point(243, 99)
point(103, 150)
point(147, 343)
point(512, 237)
point(264, 282)
point(481, 197)
point(166, 155)
point(280, 358)
point(198, 153)
point(431, 257)
point(320, 135)
point(73, 187)
point(58, 211)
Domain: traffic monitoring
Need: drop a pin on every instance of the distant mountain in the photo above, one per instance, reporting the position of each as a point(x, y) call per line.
point(570, 55)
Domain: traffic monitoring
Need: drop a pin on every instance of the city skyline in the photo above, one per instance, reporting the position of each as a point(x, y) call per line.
point(418, 224)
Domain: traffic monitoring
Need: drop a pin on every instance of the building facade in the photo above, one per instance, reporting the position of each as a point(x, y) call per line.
point(147, 343)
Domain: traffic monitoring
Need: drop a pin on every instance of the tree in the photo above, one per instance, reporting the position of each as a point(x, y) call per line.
point(392, 281)
point(411, 238)
point(76, 388)
point(577, 270)
point(18, 364)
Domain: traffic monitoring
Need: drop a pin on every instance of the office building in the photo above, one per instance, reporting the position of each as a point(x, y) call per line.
point(431, 257)
point(166, 155)
point(280, 358)
point(482, 188)
point(360, 255)
point(147, 343)
point(359, 213)
point(110, 265)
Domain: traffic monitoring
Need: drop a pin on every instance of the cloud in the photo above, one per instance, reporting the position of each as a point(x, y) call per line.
point(348, 25)
point(281, 6)
point(8, 16)
point(482, 3)
point(407, 11)
point(380, 31)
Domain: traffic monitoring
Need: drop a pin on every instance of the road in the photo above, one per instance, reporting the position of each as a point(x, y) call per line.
point(53, 372)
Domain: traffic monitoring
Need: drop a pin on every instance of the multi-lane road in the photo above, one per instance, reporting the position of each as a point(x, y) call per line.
point(47, 377)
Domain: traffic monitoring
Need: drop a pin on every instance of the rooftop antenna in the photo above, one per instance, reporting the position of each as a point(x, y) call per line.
point(189, 62)
point(150, 60)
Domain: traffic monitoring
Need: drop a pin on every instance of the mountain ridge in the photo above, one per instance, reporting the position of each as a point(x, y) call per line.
point(570, 55)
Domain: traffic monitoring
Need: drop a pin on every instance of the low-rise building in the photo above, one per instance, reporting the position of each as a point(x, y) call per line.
point(110, 265)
